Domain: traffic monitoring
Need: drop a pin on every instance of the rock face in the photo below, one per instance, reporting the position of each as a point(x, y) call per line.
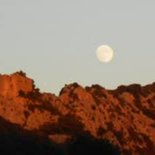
point(125, 116)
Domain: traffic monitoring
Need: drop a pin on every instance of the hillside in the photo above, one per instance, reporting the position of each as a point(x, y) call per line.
point(125, 117)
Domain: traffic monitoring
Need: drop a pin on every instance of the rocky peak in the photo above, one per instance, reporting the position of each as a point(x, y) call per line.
point(11, 85)
point(69, 88)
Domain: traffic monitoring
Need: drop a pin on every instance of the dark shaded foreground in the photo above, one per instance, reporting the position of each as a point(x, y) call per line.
point(16, 141)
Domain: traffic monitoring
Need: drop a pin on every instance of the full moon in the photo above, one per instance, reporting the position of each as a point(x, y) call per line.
point(104, 53)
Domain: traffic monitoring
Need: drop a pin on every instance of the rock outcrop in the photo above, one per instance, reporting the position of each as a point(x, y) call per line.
point(124, 116)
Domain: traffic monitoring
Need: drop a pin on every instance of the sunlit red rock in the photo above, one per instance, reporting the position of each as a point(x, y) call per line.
point(125, 116)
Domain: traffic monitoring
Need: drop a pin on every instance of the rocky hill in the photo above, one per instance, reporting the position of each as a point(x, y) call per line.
point(125, 117)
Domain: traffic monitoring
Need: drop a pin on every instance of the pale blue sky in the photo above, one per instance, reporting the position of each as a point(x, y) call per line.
point(54, 41)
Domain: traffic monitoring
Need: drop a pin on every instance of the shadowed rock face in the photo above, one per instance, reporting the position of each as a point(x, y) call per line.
point(125, 116)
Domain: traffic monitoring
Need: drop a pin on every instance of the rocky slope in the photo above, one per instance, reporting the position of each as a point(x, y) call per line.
point(125, 116)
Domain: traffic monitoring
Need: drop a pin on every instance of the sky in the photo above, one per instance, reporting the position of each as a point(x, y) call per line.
point(55, 41)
